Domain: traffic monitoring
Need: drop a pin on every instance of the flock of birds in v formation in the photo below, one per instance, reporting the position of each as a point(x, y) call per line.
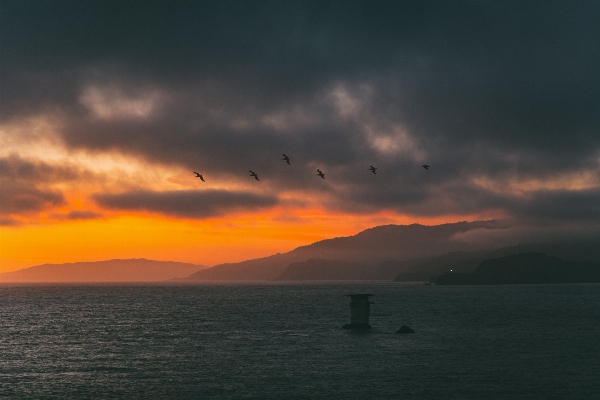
point(287, 160)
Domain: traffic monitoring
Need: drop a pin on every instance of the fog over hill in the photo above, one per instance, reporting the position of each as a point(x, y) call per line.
point(369, 247)
point(130, 270)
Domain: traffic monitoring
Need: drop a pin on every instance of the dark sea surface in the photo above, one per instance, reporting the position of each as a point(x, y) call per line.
point(285, 341)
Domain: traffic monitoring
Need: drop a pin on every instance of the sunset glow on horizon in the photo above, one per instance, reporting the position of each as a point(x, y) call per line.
point(58, 238)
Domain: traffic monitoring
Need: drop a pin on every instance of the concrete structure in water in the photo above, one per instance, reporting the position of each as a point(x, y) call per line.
point(360, 310)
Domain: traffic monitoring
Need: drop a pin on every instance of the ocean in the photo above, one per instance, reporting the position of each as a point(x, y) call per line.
point(278, 340)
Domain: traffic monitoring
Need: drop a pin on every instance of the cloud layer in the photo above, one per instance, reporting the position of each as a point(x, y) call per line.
point(23, 189)
point(186, 203)
point(500, 98)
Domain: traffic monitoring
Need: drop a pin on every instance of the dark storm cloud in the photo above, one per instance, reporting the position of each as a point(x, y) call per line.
point(72, 215)
point(9, 222)
point(186, 203)
point(494, 89)
point(582, 205)
point(20, 198)
point(16, 168)
point(82, 214)
point(23, 186)
point(459, 197)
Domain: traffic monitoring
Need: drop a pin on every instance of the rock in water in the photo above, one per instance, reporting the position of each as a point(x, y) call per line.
point(405, 329)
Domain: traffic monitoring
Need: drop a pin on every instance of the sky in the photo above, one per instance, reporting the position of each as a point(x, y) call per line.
point(107, 108)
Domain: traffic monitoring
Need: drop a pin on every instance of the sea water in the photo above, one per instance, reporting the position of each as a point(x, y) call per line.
point(271, 340)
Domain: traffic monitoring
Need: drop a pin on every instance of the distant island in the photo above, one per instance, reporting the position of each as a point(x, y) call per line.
point(128, 270)
point(525, 268)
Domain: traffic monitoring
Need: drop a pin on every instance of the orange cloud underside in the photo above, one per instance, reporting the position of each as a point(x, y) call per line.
point(207, 242)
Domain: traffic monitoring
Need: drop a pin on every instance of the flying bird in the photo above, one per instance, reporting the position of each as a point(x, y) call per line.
point(286, 159)
point(372, 169)
point(426, 166)
point(321, 174)
point(199, 176)
point(252, 173)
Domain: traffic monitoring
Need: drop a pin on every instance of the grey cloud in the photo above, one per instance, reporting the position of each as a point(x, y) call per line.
point(186, 203)
point(580, 205)
point(9, 222)
point(16, 168)
point(430, 197)
point(20, 198)
point(82, 214)
point(24, 186)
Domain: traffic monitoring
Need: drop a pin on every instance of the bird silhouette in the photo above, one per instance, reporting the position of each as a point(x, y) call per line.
point(286, 159)
point(252, 173)
point(199, 176)
point(321, 174)
point(372, 169)
point(426, 166)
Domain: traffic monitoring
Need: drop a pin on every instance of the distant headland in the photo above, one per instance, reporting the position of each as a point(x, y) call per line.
point(525, 268)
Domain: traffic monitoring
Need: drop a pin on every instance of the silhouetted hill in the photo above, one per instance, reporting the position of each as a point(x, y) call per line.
point(389, 269)
point(459, 261)
point(131, 270)
point(526, 268)
point(420, 269)
point(424, 270)
point(317, 269)
point(369, 247)
point(467, 262)
point(568, 250)
point(397, 242)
